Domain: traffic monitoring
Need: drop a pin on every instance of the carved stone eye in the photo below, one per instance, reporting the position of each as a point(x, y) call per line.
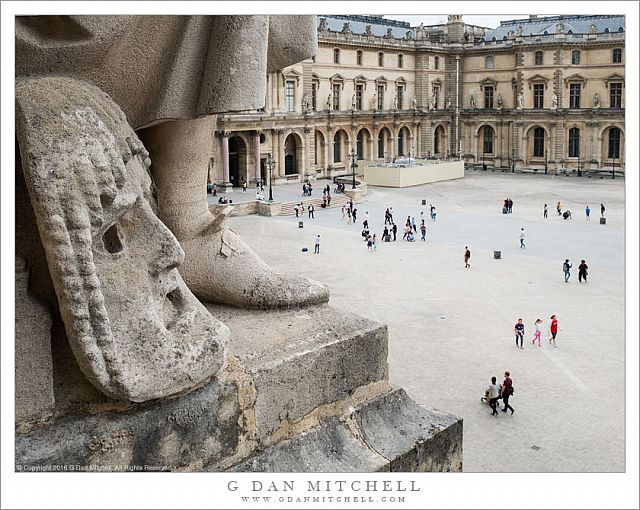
point(112, 239)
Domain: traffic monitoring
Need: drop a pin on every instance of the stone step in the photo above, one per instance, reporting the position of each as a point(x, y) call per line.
point(287, 208)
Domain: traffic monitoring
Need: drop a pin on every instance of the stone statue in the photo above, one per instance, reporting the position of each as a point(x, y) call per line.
point(593, 29)
point(434, 101)
point(328, 103)
point(414, 104)
point(353, 102)
point(559, 28)
point(323, 24)
point(519, 30)
point(520, 101)
point(389, 34)
point(596, 100)
point(136, 330)
point(305, 102)
point(173, 116)
point(346, 28)
point(420, 32)
point(448, 103)
point(472, 101)
point(500, 102)
point(554, 101)
point(368, 30)
point(374, 101)
point(395, 102)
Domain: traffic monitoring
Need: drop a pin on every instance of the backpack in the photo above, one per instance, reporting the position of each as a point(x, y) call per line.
point(565, 267)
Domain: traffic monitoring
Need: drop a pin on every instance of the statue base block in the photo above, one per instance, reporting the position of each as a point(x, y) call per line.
point(302, 390)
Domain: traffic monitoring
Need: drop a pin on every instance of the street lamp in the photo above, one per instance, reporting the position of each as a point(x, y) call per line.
point(613, 168)
point(353, 157)
point(513, 161)
point(484, 167)
point(579, 171)
point(270, 164)
point(545, 162)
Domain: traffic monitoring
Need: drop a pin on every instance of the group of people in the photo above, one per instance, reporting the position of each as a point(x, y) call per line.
point(339, 187)
point(307, 188)
point(582, 271)
point(507, 206)
point(518, 330)
point(494, 393)
point(326, 196)
point(349, 212)
point(212, 188)
point(299, 209)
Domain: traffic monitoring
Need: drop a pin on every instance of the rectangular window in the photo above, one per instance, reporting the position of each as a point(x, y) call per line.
point(487, 146)
point(400, 60)
point(380, 97)
point(538, 95)
point(489, 62)
point(380, 59)
point(290, 95)
point(359, 91)
point(574, 95)
point(314, 96)
point(359, 57)
point(436, 62)
point(336, 97)
point(538, 143)
point(436, 97)
point(616, 95)
point(488, 97)
point(617, 55)
point(400, 96)
point(574, 143)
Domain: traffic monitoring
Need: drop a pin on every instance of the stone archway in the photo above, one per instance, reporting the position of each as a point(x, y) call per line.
point(363, 144)
point(292, 154)
point(404, 142)
point(439, 142)
point(384, 143)
point(320, 150)
point(237, 160)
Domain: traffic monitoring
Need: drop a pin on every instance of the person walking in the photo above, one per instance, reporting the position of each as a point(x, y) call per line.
point(391, 215)
point(387, 219)
point(587, 212)
point(566, 267)
point(348, 215)
point(343, 211)
point(394, 229)
point(582, 271)
point(296, 208)
point(311, 210)
point(413, 224)
point(493, 392)
point(375, 242)
point(522, 245)
point(317, 248)
point(423, 231)
point(546, 211)
point(518, 329)
point(407, 229)
point(553, 330)
point(366, 219)
point(369, 243)
point(353, 213)
point(433, 212)
point(506, 392)
point(510, 206)
point(467, 256)
point(537, 333)
point(602, 210)
point(385, 235)
point(559, 208)
point(244, 186)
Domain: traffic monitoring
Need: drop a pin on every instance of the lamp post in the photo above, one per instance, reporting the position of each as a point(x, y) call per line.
point(613, 169)
point(270, 164)
point(353, 157)
point(513, 161)
point(484, 167)
point(545, 162)
point(579, 171)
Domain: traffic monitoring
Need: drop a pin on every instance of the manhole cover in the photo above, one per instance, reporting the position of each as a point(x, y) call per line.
point(535, 447)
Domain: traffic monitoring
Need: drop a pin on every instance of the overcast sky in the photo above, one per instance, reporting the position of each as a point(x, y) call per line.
point(490, 21)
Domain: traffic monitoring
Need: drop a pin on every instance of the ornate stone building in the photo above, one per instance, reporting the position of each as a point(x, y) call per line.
point(543, 93)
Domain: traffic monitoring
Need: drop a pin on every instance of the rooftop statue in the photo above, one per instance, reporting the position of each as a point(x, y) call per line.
point(86, 171)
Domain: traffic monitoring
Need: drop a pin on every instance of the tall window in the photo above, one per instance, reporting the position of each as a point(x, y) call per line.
point(614, 143)
point(336, 56)
point(538, 58)
point(290, 95)
point(538, 95)
point(336, 96)
point(615, 97)
point(380, 97)
point(574, 95)
point(574, 143)
point(381, 144)
point(359, 90)
point(359, 57)
point(380, 59)
point(488, 96)
point(487, 145)
point(437, 140)
point(617, 55)
point(538, 142)
point(400, 96)
point(400, 60)
point(575, 57)
point(401, 143)
point(337, 143)
point(436, 63)
point(488, 62)
point(436, 94)
point(360, 145)
point(314, 96)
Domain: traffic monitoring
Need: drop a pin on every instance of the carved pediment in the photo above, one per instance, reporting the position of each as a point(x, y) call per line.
point(574, 78)
point(360, 80)
point(538, 78)
point(292, 74)
point(337, 78)
point(613, 78)
point(488, 82)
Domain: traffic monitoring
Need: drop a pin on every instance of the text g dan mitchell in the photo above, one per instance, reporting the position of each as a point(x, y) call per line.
point(324, 486)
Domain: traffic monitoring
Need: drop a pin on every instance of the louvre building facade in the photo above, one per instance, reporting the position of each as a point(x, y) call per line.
point(534, 94)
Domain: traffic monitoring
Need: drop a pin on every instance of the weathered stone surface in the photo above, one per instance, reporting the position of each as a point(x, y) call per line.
point(303, 359)
point(34, 382)
point(330, 448)
point(135, 329)
point(181, 433)
point(411, 437)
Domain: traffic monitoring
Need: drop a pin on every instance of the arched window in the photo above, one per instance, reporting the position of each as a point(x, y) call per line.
point(400, 60)
point(359, 57)
point(488, 62)
point(337, 143)
point(614, 143)
point(538, 58)
point(487, 137)
point(380, 59)
point(436, 62)
point(574, 143)
point(575, 57)
point(336, 56)
point(381, 144)
point(538, 142)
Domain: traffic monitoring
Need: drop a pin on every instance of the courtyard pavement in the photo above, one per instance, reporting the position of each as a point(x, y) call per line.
point(451, 328)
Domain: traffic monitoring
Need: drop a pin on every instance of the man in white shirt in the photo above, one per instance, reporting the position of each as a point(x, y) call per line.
point(522, 238)
point(494, 395)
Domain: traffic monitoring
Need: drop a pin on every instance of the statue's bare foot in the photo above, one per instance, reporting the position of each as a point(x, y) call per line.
point(219, 267)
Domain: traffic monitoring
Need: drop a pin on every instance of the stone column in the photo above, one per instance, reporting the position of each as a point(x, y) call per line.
point(280, 153)
point(256, 155)
point(225, 185)
point(306, 157)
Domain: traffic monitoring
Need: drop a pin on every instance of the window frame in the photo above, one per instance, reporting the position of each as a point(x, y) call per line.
point(489, 62)
point(487, 140)
point(487, 94)
point(616, 143)
point(538, 61)
point(400, 60)
point(290, 95)
point(336, 55)
point(616, 56)
point(538, 95)
point(575, 61)
point(380, 97)
point(335, 98)
point(359, 57)
point(574, 143)
point(617, 87)
point(539, 136)
point(381, 59)
point(399, 96)
point(436, 63)
point(359, 95)
point(337, 146)
point(575, 91)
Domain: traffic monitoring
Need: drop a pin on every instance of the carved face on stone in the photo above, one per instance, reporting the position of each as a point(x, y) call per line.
point(136, 330)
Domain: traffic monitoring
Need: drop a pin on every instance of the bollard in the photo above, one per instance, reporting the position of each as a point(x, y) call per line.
point(497, 254)
point(424, 202)
point(603, 221)
point(300, 224)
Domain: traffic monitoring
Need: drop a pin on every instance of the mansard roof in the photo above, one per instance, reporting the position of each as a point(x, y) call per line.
point(577, 24)
point(358, 25)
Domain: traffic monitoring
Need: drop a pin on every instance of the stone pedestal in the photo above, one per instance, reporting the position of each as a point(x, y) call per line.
point(225, 187)
point(302, 390)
